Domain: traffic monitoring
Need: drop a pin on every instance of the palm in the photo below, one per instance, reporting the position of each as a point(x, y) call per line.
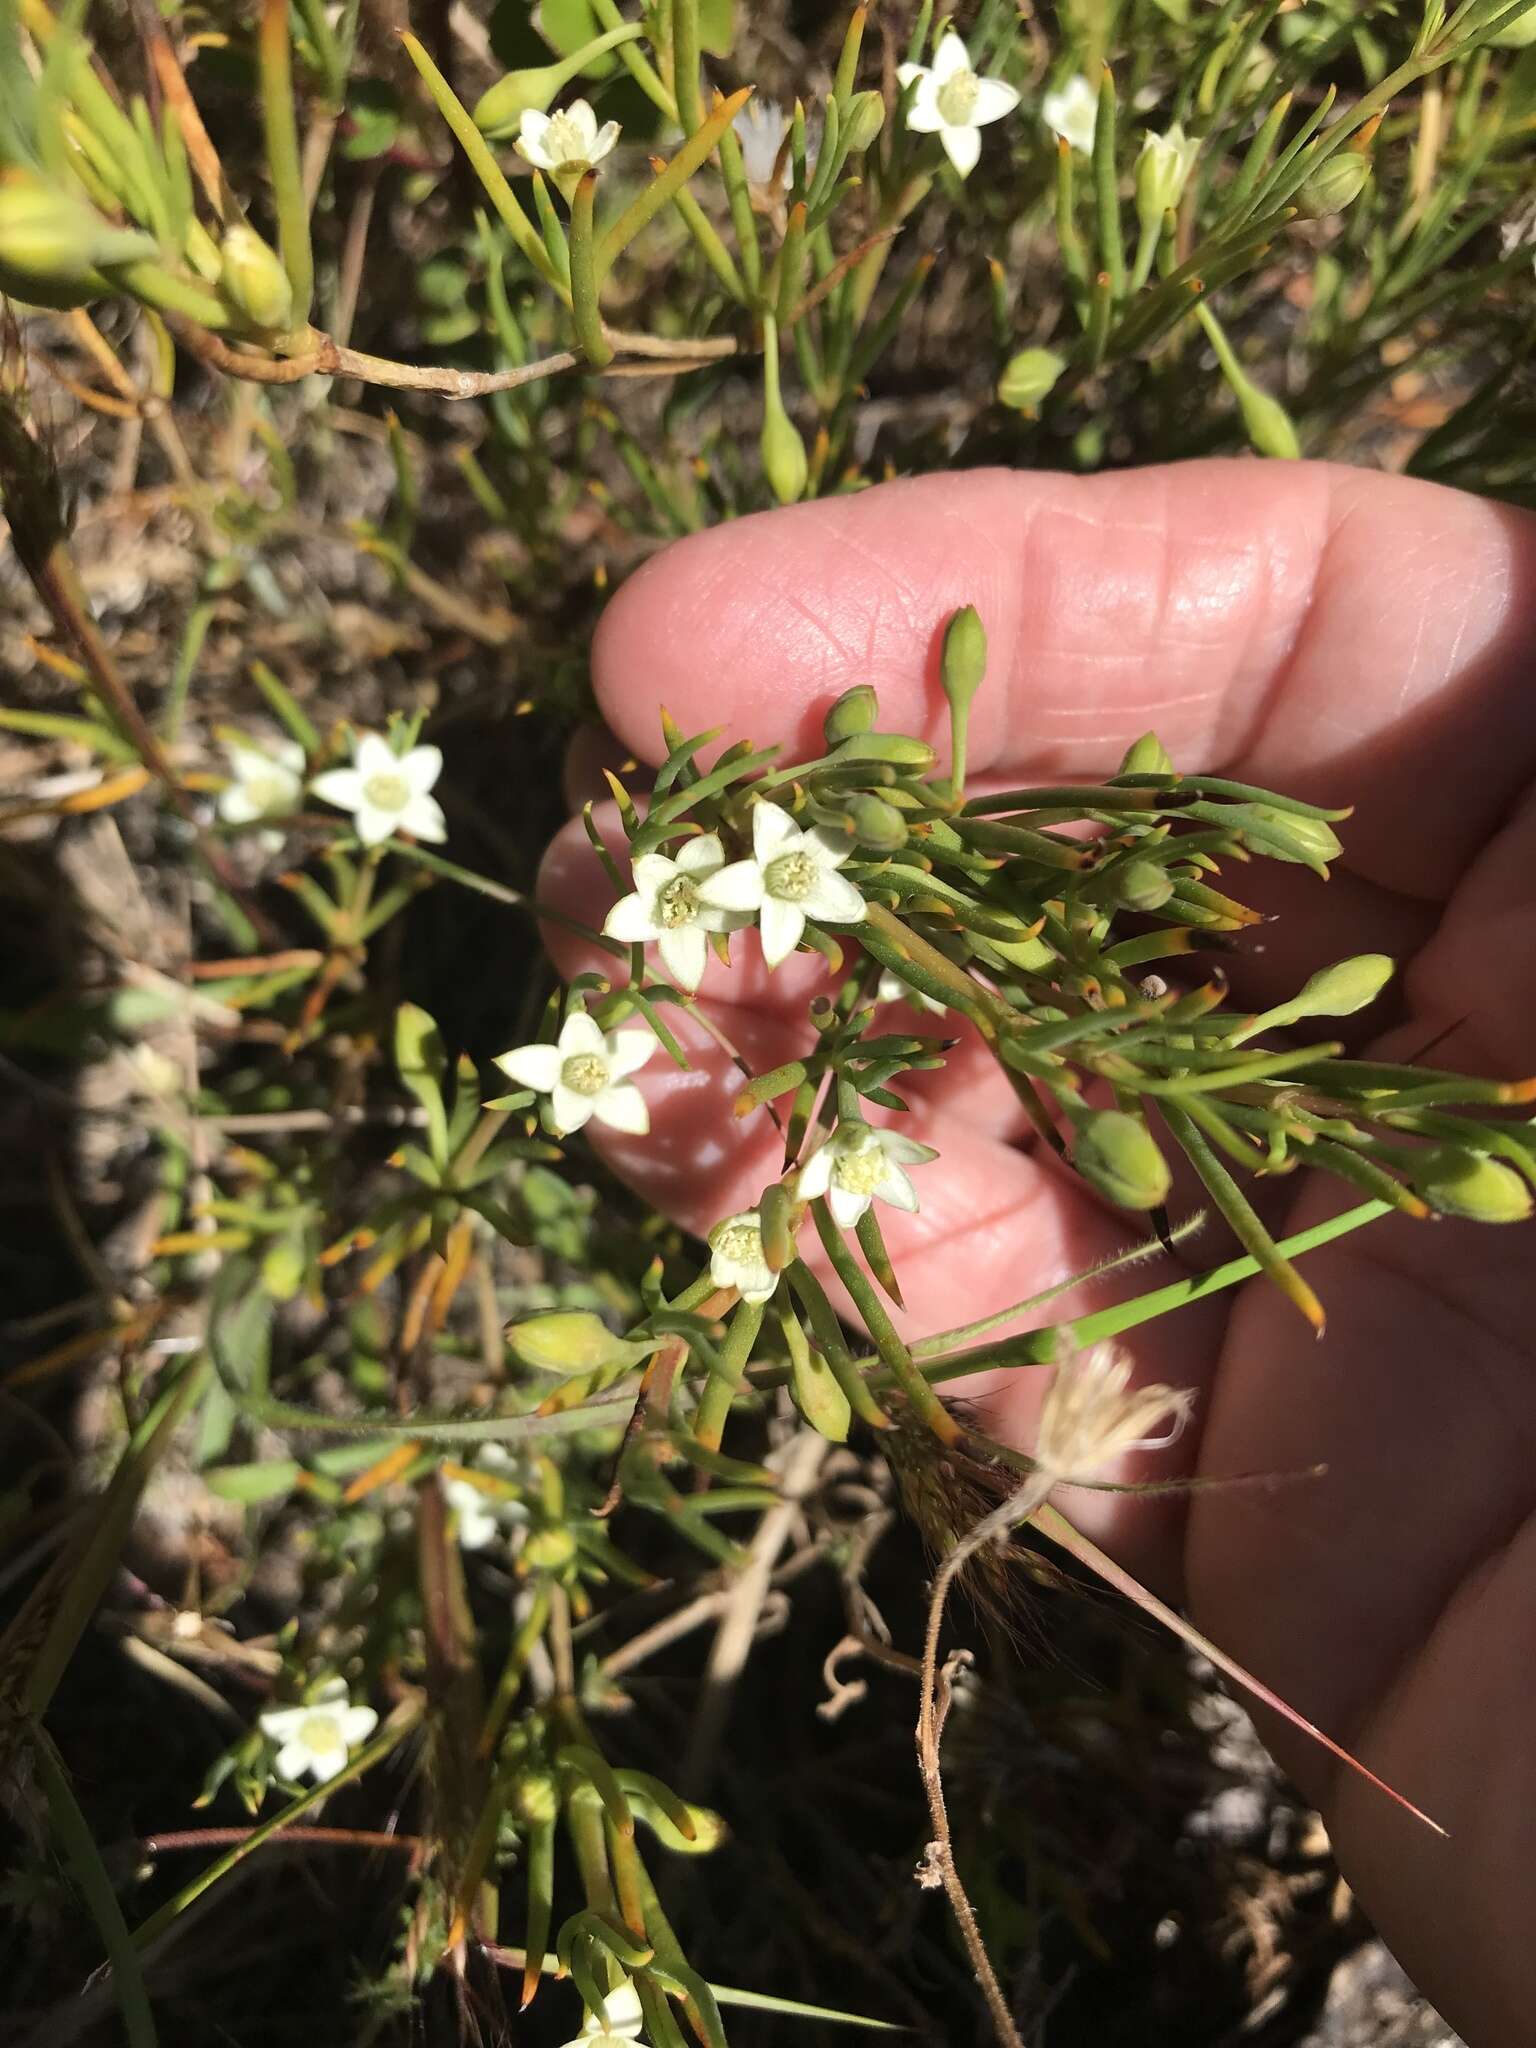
point(1352, 639)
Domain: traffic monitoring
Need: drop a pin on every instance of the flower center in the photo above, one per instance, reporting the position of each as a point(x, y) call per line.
point(861, 1172)
point(741, 1243)
point(565, 141)
point(386, 792)
point(677, 903)
point(791, 877)
point(585, 1074)
point(957, 99)
point(320, 1734)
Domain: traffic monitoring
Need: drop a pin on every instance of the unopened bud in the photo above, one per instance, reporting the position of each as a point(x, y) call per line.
point(876, 824)
point(783, 449)
point(1344, 988)
point(1029, 377)
point(817, 1395)
point(854, 712)
point(499, 111)
point(51, 243)
point(1286, 835)
point(1141, 885)
point(536, 1799)
point(863, 121)
point(1146, 756)
point(964, 662)
point(572, 1342)
point(1116, 1154)
point(1334, 185)
point(1162, 172)
point(899, 749)
point(1467, 1184)
point(253, 279)
point(549, 1550)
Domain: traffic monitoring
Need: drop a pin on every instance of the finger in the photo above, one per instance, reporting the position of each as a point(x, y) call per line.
point(1350, 637)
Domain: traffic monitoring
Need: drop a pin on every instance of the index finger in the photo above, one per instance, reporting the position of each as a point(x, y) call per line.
point(1349, 637)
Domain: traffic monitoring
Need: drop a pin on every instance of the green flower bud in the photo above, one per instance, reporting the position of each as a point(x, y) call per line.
point(854, 712)
point(550, 1550)
point(1146, 756)
point(1029, 377)
point(1162, 172)
point(1334, 185)
point(1116, 1154)
point(572, 1342)
point(499, 111)
point(536, 1799)
point(964, 661)
point(817, 1395)
point(52, 243)
point(898, 748)
point(1518, 34)
point(876, 824)
point(784, 459)
point(1467, 1184)
point(253, 279)
point(1285, 835)
point(1266, 419)
point(1344, 988)
point(1141, 885)
point(282, 1270)
point(863, 121)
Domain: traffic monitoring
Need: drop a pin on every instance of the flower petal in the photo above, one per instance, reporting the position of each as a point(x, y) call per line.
point(995, 99)
point(237, 807)
point(923, 116)
point(372, 825)
point(906, 74)
point(950, 57)
point(580, 1033)
point(293, 1760)
point(781, 924)
point(772, 830)
point(847, 1207)
point(340, 786)
point(281, 1722)
point(421, 767)
point(581, 117)
point(833, 900)
point(373, 755)
point(896, 1189)
point(684, 951)
point(829, 851)
point(622, 1109)
point(603, 141)
point(963, 148)
point(626, 1052)
point(701, 856)
point(905, 1151)
point(630, 920)
point(288, 754)
point(738, 887)
point(532, 1066)
point(569, 1110)
point(815, 1176)
point(756, 1283)
point(653, 871)
point(423, 818)
point(357, 1724)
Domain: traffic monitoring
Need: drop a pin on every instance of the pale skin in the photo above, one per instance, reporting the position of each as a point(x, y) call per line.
point(1352, 639)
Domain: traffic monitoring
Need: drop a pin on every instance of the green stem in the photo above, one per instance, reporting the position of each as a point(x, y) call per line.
point(1106, 184)
point(284, 165)
point(730, 1370)
point(685, 63)
point(925, 1403)
point(584, 276)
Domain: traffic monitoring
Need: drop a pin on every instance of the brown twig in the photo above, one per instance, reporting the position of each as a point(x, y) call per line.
point(224, 1838)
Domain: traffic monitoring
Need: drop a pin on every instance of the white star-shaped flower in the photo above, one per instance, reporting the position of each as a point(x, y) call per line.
point(622, 2026)
point(387, 792)
point(857, 1166)
point(585, 1074)
point(668, 908)
point(952, 102)
point(1073, 113)
point(565, 144)
point(266, 781)
point(480, 1517)
point(316, 1739)
point(791, 876)
point(737, 1259)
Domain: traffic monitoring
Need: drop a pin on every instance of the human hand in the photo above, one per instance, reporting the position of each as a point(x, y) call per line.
point(1343, 637)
